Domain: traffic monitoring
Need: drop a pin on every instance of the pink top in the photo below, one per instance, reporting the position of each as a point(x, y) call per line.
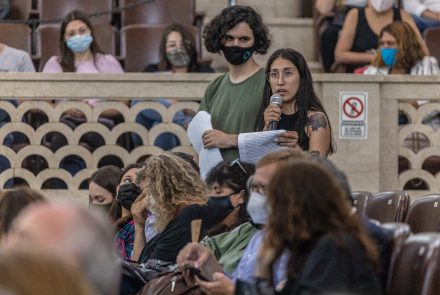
point(105, 63)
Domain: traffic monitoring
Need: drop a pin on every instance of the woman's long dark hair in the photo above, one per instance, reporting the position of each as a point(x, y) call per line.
point(305, 100)
point(67, 57)
point(190, 46)
point(307, 204)
point(115, 211)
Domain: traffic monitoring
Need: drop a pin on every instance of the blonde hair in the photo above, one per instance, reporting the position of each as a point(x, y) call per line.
point(410, 50)
point(170, 184)
point(29, 273)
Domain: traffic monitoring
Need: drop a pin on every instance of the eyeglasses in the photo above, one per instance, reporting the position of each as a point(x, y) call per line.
point(274, 76)
point(236, 162)
point(258, 188)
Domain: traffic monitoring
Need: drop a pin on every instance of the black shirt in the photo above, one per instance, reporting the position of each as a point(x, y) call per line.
point(167, 244)
point(289, 122)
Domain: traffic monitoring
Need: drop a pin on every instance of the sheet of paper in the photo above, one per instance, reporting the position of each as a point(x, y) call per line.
point(208, 158)
point(254, 145)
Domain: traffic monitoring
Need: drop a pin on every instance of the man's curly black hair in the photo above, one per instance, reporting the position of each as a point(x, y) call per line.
point(214, 33)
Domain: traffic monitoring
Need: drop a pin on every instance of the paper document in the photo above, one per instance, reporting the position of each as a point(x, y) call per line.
point(208, 158)
point(254, 145)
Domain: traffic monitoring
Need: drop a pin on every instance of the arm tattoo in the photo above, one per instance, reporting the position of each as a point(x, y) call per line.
point(316, 121)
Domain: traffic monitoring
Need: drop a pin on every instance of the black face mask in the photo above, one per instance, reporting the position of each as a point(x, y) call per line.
point(237, 55)
point(127, 194)
point(220, 207)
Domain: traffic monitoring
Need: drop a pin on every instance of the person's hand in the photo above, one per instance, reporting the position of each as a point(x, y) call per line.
point(139, 210)
point(221, 285)
point(195, 254)
point(216, 138)
point(200, 257)
point(288, 139)
point(271, 113)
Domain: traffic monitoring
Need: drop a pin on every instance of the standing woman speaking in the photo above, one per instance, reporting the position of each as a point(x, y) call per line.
point(301, 113)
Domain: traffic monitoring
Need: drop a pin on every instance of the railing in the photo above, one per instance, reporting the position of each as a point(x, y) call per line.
point(371, 164)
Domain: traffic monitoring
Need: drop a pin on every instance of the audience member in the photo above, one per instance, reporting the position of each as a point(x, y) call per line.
point(238, 253)
point(228, 194)
point(328, 254)
point(178, 54)
point(358, 39)
point(426, 13)
point(175, 195)
point(331, 253)
point(334, 12)
point(301, 113)
point(11, 60)
point(233, 98)
point(12, 202)
point(127, 192)
point(74, 234)
point(102, 187)
point(31, 273)
point(400, 52)
point(15, 60)
point(80, 53)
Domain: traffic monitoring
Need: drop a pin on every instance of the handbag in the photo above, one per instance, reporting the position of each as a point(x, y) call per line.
point(135, 275)
point(180, 281)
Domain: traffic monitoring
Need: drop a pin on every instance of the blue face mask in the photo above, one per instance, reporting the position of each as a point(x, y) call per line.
point(79, 43)
point(388, 56)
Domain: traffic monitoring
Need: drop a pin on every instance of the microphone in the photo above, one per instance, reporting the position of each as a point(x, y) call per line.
point(275, 99)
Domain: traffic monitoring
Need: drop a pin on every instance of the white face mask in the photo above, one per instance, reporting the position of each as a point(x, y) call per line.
point(382, 5)
point(257, 208)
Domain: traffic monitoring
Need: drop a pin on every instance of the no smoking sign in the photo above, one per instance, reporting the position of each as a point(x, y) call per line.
point(353, 115)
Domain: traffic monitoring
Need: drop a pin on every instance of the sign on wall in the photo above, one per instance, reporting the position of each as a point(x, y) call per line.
point(353, 115)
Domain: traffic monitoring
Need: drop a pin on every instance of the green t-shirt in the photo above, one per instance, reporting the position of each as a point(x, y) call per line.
point(234, 107)
point(228, 247)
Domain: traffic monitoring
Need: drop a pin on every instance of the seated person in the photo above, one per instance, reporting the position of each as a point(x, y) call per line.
point(400, 52)
point(426, 13)
point(178, 54)
point(12, 60)
point(80, 53)
point(359, 36)
point(332, 253)
point(334, 12)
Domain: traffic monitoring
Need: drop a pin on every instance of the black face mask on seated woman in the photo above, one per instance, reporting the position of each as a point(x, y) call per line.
point(220, 206)
point(127, 194)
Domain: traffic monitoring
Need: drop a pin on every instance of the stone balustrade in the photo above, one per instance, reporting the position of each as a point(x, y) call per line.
point(372, 164)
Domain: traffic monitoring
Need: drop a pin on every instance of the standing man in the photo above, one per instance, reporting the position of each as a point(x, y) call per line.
point(233, 99)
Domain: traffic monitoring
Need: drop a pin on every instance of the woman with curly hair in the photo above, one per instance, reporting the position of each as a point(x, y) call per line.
point(400, 52)
point(311, 219)
point(233, 98)
point(175, 195)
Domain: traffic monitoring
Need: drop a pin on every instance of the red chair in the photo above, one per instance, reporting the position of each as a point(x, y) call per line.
point(417, 267)
point(21, 9)
point(389, 206)
point(360, 201)
point(424, 214)
point(140, 45)
point(57, 9)
point(432, 39)
point(17, 36)
point(159, 12)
